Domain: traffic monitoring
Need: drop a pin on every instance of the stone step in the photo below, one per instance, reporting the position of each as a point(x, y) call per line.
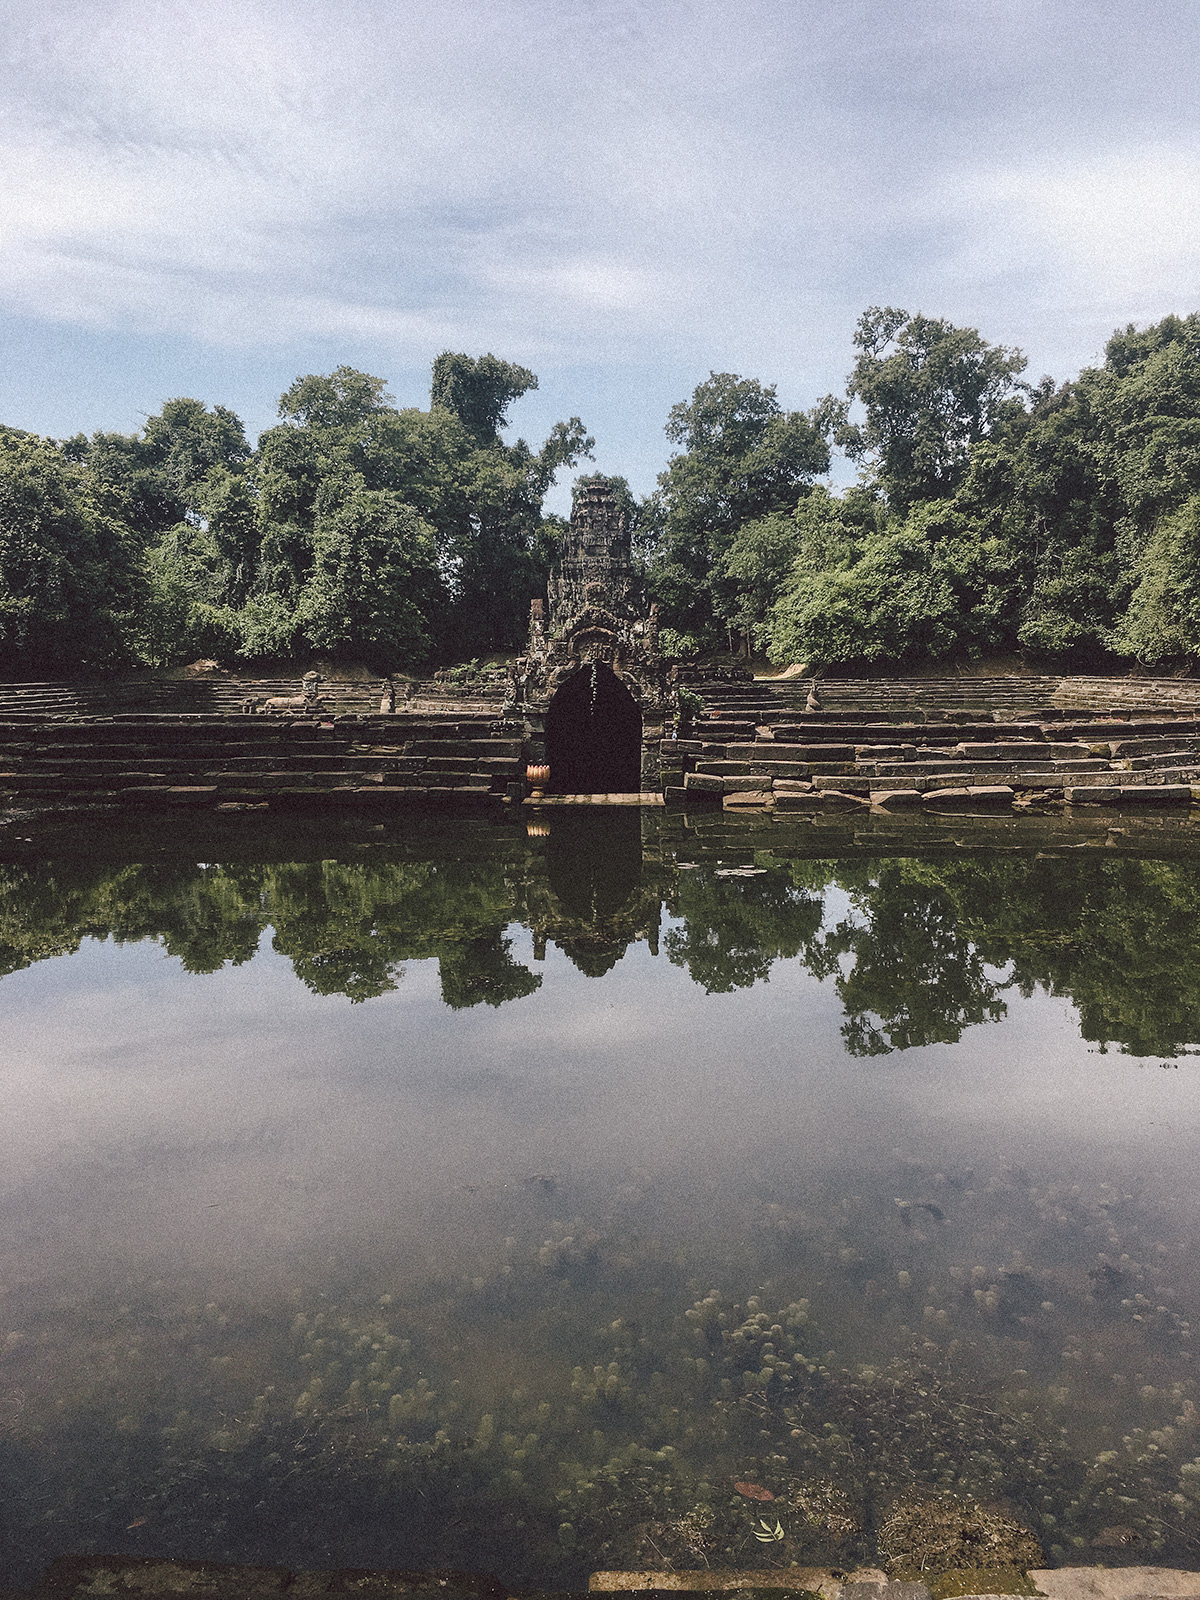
point(1138, 794)
point(989, 795)
point(1021, 750)
point(1173, 757)
point(775, 750)
point(779, 769)
point(919, 769)
point(844, 782)
point(1170, 739)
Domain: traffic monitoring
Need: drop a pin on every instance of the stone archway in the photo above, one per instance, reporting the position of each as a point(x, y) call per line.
point(594, 735)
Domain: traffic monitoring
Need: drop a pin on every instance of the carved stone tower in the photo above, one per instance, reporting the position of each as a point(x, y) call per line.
point(596, 566)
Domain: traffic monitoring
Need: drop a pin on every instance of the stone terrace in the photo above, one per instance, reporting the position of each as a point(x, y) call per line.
point(917, 744)
point(143, 759)
point(885, 744)
point(221, 694)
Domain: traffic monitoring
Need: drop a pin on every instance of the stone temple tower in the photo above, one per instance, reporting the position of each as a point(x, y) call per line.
point(596, 566)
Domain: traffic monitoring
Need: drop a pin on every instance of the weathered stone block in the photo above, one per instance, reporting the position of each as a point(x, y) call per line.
point(1115, 1583)
point(1093, 794)
point(841, 799)
point(813, 1580)
point(703, 783)
point(801, 802)
point(897, 799)
point(842, 782)
point(983, 795)
point(745, 799)
point(1156, 794)
point(885, 752)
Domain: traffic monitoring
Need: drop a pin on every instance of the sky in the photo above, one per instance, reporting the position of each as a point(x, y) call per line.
point(211, 197)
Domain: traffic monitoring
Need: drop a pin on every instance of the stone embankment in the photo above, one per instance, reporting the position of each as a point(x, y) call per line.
point(148, 1578)
point(222, 694)
point(923, 745)
point(899, 745)
point(143, 759)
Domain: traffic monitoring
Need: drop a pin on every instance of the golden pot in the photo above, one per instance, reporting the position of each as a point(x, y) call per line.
point(537, 775)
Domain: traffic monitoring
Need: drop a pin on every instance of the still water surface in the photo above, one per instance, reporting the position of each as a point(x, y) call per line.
point(499, 1201)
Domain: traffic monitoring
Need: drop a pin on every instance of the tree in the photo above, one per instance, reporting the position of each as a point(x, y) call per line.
point(479, 391)
point(742, 458)
point(374, 582)
point(931, 392)
point(891, 603)
point(71, 587)
point(481, 498)
point(154, 479)
point(343, 399)
point(1163, 618)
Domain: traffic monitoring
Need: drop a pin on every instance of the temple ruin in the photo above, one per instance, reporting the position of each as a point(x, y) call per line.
point(592, 688)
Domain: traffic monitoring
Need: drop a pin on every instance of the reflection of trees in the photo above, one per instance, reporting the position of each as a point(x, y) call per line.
point(483, 970)
point(929, 947)
point(1118, 937)
point(925, 949)
point(913, 968)
point(735, 929)
point(347, 927)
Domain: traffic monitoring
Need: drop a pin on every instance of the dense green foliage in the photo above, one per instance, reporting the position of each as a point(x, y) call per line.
point(990, 517)
point(353, 529)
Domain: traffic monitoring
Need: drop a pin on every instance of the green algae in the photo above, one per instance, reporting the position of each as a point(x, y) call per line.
point(623, 1441)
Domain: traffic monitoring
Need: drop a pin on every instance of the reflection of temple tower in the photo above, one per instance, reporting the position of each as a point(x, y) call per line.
point(595, 895)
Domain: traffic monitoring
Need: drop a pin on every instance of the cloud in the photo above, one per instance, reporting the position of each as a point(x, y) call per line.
point(606, 187)
point(1123, 225)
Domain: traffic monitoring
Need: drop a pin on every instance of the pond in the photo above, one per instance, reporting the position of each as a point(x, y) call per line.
point(470, 1194)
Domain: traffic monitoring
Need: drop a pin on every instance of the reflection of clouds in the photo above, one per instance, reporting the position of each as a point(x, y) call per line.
point(234, 1123)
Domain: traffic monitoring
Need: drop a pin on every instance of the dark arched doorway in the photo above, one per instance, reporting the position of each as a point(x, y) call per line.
point(594, 735)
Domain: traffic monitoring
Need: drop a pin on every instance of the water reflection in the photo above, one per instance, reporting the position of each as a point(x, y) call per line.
point(588, 1207)
point(919, 951)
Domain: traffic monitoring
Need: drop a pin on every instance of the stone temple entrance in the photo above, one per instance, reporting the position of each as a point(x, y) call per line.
point(594, 735)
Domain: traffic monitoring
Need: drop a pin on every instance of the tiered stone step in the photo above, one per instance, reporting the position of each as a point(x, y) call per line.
point(143, 760)
point(820, 760)
point(224, 695)
point(997, 697)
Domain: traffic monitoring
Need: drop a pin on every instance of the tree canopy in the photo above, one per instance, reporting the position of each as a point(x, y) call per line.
point(355, 529)
point(991, 516)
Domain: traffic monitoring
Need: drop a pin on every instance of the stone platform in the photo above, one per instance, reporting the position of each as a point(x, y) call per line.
point(239, 762)
point(1079, 745)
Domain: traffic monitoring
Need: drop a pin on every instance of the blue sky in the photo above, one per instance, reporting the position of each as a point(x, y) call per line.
point(210, 197)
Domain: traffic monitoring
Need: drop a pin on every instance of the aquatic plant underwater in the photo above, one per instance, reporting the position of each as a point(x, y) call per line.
point(1018, 1351)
